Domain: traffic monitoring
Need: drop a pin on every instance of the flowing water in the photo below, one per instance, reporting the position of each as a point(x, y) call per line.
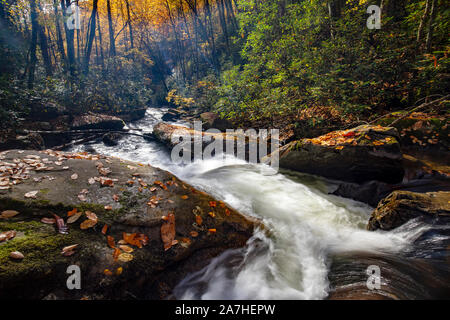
point(315, 243)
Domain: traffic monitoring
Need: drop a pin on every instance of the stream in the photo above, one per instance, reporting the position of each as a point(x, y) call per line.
point(316, 245)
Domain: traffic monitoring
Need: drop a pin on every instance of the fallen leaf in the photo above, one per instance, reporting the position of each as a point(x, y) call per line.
point(125, 257)
point(107, 272)
point(91, 181)
point(184, 197)
point(116, 253)
point(73, 218)
point(48, 220)
point(227, 212)
point(198, 220)
point(105, 229)
point(111, 242)
point(82, 197)
point(108, 208)
point(72, 212)
point(7, 235)
point(31, 194)
point(212, 214)
point(212, 230)
point(119, 271)
point(194, 234)
point(115, 197)
point(212, 204)
point(88, 223)
point(126, 248)
point(168, 231)
point(8, 214)
point(74, 176)
point(16, 255)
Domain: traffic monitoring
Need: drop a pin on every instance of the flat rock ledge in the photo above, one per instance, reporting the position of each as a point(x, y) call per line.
point(126, 212)
point(356, 155)
point(401, 206)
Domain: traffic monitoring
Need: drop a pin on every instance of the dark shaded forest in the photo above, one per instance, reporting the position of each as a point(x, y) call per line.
point(299, 65)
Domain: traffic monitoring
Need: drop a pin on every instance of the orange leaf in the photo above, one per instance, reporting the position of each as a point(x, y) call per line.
point(212, 204)
point(71, 213)
point(111, 242)
point(168, 232)
point(116, 253)
point(184, 197)
point(212, 230)
point(198, 220)
point(107, 272)
point(105, 229)
point(194, 234)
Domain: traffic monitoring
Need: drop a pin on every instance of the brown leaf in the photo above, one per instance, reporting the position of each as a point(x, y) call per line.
point(105, 229)
point(194, 234)
point(168, 232)
point(31, 194)
point(116, 254)
point(108, 208)
point(74, 176)
point(8, 214)
point(73, 218)
point(48, 220)
point(126, 248)
point(107, 272)
point(198, 220)
point(185, 197)
point(111, 242)
point(16, 255)
point(115, 197)
point(125, 257)
point(7, 235)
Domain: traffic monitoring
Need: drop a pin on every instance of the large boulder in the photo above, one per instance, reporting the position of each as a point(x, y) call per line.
point(357, 155)
point(97, 121)
point(211, 120)
point(164, 133)
point(401, 206)
point(31, 141)
point(141, 230)
point(43, 110)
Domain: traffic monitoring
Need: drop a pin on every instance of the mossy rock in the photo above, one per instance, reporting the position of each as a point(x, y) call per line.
point(42, 273)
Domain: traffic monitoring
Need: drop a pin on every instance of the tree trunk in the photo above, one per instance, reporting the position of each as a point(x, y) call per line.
point(59, 39)
point(423, 21)
point(112, 44)
point(43, 43)
point(433, 13)
point(91, 36)
point(69, 39)
point(33, 44)
point(129, 24)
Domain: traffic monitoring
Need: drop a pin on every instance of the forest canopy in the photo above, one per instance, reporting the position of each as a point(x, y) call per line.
point(254, 62)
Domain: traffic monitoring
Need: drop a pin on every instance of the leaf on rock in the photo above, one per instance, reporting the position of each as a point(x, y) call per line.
point(74, 176)
point(105, 229)
point(168, 232)
point(31, 194)
point(126, 249)
point(71, 213)
point(194, 234)
point(48, 220)
point(185, 197)
point(198, 220)
point(111, 242)
point(74, 217)
point(125, 257)
point(8, 214)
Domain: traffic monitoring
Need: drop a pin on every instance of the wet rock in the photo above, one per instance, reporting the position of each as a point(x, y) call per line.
point(111, 138)
point(136, 207)
point(97, 121)
point(133, 114)
point(401, 206)
point(163, 132)
point(357, 155)
point(31, 141)
point(371, 192)
point(211, 120)
point(172, 115)
point(43, 110)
